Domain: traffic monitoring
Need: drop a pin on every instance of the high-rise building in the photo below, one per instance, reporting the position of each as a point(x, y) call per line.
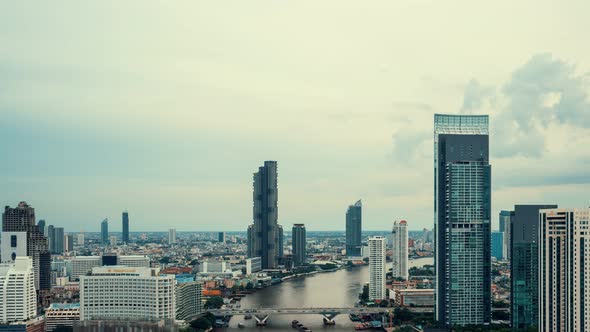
point(58, 240)
point(22, 219)
point(498, 245)
point(50, 235)
point(41, 225)
point(250, 241)
point(221, 237)
point(131, 293)
point(171, 236)
point(564, 267)
point(462, 190)
point(189, 298)
point(505, 221)
point(399, 237)
point(125, 224)
point(280, 243)
point(82, 265)
point(354, 224)
point(299, 242)
point(264, 235)
point(17, 291)
point(104, 231)
point(69, 243)
point(80, 239)
point(377, 269)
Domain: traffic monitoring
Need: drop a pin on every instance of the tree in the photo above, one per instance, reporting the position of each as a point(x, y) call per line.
point(165, 260)
point(364, 296)
point(249, 285)
point(214, 302)
point(201, 324)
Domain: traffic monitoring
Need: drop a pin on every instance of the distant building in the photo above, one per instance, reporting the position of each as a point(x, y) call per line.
point(50, 235)
point(41, 225)
point(354, 229)
point(221, 237)
point(68, 242)
point(83, 265)
point(399, 260)
point(215, 266)
point(299, 242)
point(414, 297)
point(132, 293)
point(104, 231)
point(280, 242)
point(134, 261)
point(250, 241)
point(564, 266)
point(135, 325)
point(498, 245)
point(61, 315)
point(524, 263)
point(58, 240)
point(81, 239)
point(17, 291)
point(171, 236)
point(113, 240)
point(189, 299)
point(253, 265)
point(125, 225)
point(377, 268)
point(505, 221)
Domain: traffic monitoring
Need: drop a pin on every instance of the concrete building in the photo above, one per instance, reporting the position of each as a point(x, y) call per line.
point(253, 265)
point(564, 270)
point(14, 244)
point(125, 227)
point(58, 240)
point(68, 243)
point(104, 231)
point(83, 265)
point(505, 222)
point(377, 268)
point(264, 233)
point(121, 292)
point(113, 240)
point(462, 190)
point(17, 291)
point(299, 242)
point(280, 243)
point(215, 266)
point(134, 261)
point(171, 236)
point(498, 245)
point(61, 315)
point(524, 265)
point(80, 240)
point(399, 259)
point(354, 225)
point(189, 298)
point(414, 297)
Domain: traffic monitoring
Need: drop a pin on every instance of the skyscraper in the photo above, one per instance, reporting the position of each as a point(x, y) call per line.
point(171, 236)
point(250, 241)
point(58, 240)
point(377, 268)
point(299, 242)
point(50, 234)
point(41, 225)
point(524, 265)
point(280, 242)
point(498, 245)
point(265, 230)
point(399, 236)
point(462, 191)
point(125, 222)
point(354, 224)
point(17, 291)
point(506, 218)
point(221, 236)
point(104, 231)
point(564, 267)
point(22, 219)
point(69, 243)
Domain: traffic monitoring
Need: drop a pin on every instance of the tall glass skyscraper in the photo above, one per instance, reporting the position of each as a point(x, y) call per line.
point(104, 231)
point(505, 225)
point(462, 201)
point(498, 245)
point(125, 222)
point(354, 225)
point(298, 242)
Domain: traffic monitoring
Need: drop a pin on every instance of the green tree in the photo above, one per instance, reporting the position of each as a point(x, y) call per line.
point(364, 296)
point(249, 285)
point(201, 324)
point(214, 302)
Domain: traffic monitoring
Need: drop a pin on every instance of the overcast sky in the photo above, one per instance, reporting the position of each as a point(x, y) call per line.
point(166, 108)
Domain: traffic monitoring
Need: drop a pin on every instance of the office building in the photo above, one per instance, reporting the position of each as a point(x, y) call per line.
point(221, 237)
point(171, 236)
point(215, 266)
point(104, 231)
point(134, 261)
point(81, 239)
point(498, 245)
point(524, 265)
point(264, 235)
point(50, 235)
point(280, 243)
point(462, 190)
point(58, 240)
point(564, 268)
point(125, 227)
point(68, 243)
point(113, 240)
point(399, 241)
point(17, 291)
point(61, 315)
point(83, 265)
point(299, 242)
point(22, 219)
point(253, 265)
point(250, 241)
point(189, 298)
point(505, 221)
point(41, 225)
point(377, 268)
point(354, 225)
point(414, 297)
point(120, 292)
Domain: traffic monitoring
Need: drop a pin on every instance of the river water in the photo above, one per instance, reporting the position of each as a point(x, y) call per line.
point(330, 289)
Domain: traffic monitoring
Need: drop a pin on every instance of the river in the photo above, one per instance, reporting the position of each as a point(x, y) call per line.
point(330, 289)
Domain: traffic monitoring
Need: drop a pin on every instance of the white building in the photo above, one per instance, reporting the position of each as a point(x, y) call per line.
point(134, 261)
point(189, 299)
point(81, 239)
point(17, 291)
point(82, 265)
point(61, 314)
point(564, 270)
point(215, 266)
point(171, 236)
point(253, 265)
point(121, 292)
point(399, 237)
point(14, 244)
point(377, 268)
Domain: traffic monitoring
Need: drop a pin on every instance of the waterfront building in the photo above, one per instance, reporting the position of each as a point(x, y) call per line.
point(189, 298)
point(68, 243)
point(171, 236)
point(58, 240)
point(498, 245)
point(17, 291)
point(121, 292)
point(104, 231)
point(354, 224)
point(377, 268)
point(253, 265)
point(505, 223)
point(61, 315)
point(564, 270)
point(264, 235)
point(524, 274)
point(22, 219)
point(299, 242)
point(125, 225)
point(399, 237)
point(462, 190)
point(221, 237)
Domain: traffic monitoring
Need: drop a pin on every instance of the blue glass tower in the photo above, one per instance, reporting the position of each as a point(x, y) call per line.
point(498, 245)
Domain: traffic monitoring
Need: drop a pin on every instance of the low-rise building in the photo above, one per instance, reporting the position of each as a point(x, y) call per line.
point(414, 297)
point(61, 314)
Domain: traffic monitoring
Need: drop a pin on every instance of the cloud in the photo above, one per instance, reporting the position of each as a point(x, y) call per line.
point(476, 96)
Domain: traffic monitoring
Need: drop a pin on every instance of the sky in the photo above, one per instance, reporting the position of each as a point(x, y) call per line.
point(166, 108)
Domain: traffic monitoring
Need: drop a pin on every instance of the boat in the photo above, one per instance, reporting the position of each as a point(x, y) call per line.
point(248, 316)
point(294, 323)
point(329, 321)
point(354, 318)
point(363, 326)
point(240, 325)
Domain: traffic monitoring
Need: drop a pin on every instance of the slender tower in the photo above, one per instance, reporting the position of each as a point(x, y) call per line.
point(354, 225)
point(265, 231)
point(125, 222)
point(399, 236)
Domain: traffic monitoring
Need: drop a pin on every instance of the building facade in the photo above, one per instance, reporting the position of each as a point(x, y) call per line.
point(524, 299)
point(462, 190)
point(377, 268)
point(399, 259)
point(171, 236)
point(17, 291)
point(104, 231)
point(498, 245)
point(68, 243)
point(189, 299)
point(83, 265)
point(61, 315)
point(298, 240)
point(125, 225)
point(354, 228)
point(58, 240)
point(221, 237)
point(505, 225)
point(564, 270)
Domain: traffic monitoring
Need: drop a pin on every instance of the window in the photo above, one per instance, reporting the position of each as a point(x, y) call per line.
point(13, 241)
